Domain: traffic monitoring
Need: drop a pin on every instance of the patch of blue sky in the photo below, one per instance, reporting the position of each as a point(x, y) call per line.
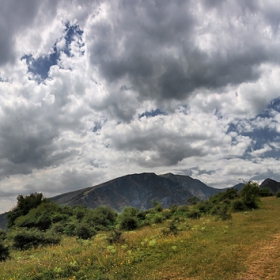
point(40, 66)
point(261, 136)
point(72, 32)
point(153, 113)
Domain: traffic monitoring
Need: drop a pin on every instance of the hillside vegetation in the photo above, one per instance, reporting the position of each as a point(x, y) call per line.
point(215, 239)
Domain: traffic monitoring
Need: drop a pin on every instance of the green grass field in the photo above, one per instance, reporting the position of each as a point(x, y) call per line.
point(204, 249)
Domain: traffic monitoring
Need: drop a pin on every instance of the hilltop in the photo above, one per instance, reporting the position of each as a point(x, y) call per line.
point(139, 190)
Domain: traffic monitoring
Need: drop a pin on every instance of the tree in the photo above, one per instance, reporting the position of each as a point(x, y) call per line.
point(24, 205)
point(250, 194)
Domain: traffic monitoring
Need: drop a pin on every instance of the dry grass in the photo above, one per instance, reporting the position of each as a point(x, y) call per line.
point(207, 250)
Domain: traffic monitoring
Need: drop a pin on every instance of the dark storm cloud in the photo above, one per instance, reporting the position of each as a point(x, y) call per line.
point(152, 45)
point(30, 138)
point(15, 16)
point(164, 148)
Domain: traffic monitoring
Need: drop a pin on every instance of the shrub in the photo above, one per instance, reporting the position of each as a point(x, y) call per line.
point(182, 209)
point(157, 206)
point(173, 208)
point(223, 213)
point(58, 228)
point(24, 205)
point(264, 192)
point(40, 217)
point(130, 211)
point(3, 235)
point(58, 217)
point(128, 223)
point(278, 194)
point(249, 194)
point(83, 231)
point(115, 237)
point(141, 215)
point(4, 252)
point(194, 214)
point(166, 214)
point(229, 194)
point(67, 210)
point(204, 207)
point(238, 205)
point(216, 208)
point(25, 239)
point(171, 229)
point(70, 229)
point(193, 200)
point(101, 218)
point(158, 218)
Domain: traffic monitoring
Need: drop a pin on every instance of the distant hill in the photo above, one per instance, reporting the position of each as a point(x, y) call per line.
point(139, 190)
point(239, 186)
point(271, 184)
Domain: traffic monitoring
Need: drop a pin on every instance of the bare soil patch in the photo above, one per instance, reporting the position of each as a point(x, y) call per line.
point(263, 263)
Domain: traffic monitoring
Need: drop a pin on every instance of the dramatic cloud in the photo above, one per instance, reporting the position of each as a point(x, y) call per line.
point(92, 90)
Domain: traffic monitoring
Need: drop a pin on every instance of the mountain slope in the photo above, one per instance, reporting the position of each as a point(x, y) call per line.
point(271, 184)
point(139, 190)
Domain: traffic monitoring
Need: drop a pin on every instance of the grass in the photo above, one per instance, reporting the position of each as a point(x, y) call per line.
point(206, 249)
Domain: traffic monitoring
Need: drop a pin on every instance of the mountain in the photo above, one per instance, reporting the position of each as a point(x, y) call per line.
point(139, 190)
point(239, 186)
point(271, 184)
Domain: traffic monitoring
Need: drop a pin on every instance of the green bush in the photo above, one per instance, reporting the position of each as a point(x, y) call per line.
point(128, 223)
point(101, 218)
point(171, 229)
point(224, 213)
point(250, 195)
point(216, 208)
point(204, 207)
point(40, 217)
point(25, 239)
point(238, 205)
point(193, 200)
point(70, 229)
point(83, 231)
point(194, 214)
point(4, 252)
point(24, 205)
point(229, 194)
point(58, 227)
point(115, 237)
point(181, 210)
point(130, 211)
point(173, 208)
point(3, 235)
point(265, 192)
point(277, 194)
point(157, 206)
point(141, 215)
point(157, 218)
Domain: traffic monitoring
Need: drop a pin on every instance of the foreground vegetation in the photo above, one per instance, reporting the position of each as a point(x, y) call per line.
point(204, 240)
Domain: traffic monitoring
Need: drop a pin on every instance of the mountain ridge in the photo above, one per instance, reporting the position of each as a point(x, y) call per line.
point(141, 190)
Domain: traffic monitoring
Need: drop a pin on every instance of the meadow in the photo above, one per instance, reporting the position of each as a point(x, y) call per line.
point(208, 248)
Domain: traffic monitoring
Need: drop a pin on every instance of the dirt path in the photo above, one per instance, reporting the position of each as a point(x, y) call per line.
point(263, 263)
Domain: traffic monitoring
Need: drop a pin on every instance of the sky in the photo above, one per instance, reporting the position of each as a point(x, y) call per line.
point(94, 90)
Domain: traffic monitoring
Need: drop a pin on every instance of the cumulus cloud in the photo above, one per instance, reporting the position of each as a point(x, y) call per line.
point(92, 90)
